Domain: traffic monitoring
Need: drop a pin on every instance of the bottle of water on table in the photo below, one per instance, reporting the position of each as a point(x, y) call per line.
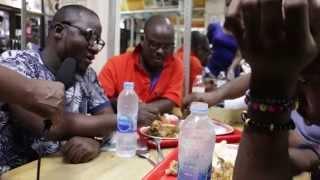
point(196, 144)
point(127, 107)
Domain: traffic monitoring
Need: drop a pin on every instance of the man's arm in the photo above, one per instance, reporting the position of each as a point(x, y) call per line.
point(101, 124)
point(302, 160)
point(162, 105)
point(40, 96)
point(235, 62)
point(233, 89)
point(263, 154)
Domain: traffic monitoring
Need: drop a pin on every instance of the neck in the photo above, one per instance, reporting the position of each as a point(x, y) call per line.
point(51, 59)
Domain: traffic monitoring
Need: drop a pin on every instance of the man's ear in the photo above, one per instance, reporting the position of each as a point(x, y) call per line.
point(58, 29)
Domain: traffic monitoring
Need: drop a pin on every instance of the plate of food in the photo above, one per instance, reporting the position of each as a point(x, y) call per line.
point(165, 129)
point(160, 130)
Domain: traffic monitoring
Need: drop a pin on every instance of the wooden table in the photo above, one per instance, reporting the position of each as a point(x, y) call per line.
point(106, 166)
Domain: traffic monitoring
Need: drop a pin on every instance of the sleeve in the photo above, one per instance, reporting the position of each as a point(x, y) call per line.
point(97, 99)
point(16, 61)
point(108, 79)
point(175, 87)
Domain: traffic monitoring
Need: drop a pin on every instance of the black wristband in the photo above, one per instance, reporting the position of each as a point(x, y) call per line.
point(266, 127)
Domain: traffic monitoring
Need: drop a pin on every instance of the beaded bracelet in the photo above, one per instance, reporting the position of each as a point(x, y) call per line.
point(266, 126)
point(271, 105)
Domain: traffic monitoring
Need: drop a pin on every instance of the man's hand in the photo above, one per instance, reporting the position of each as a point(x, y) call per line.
point(275, 38)
point(80, 150)
point(47, 99)
point(187, 100)
point(212, 98)
point(147, 114)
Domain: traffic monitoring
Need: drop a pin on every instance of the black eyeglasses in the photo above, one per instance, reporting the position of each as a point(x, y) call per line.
point(155, 46)
point(90, 35)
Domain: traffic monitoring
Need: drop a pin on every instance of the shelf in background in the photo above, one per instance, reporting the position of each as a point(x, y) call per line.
point(156, 10)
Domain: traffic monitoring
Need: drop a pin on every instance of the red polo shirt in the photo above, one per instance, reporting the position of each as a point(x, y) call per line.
point(127, 67)
point(195, 65)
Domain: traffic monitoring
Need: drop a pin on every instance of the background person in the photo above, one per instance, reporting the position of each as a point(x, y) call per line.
point(156, 73)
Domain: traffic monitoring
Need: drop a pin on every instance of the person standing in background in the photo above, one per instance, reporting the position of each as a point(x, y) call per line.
point(226, 56)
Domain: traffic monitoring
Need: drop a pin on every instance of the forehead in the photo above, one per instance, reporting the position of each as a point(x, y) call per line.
point(160, 34)
point(85, 20)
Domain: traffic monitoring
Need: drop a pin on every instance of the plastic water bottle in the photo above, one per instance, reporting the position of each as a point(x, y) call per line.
point(196, 144)
point(128, 104)
point(198, 85)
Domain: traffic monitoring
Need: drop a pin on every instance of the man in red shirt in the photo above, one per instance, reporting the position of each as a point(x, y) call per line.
point(157, 74)
point(200, 51)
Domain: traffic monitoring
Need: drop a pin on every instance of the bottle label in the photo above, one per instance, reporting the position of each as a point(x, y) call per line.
point(125, 124)
point(198, 89)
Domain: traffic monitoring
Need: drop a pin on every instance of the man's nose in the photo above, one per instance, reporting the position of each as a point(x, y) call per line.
point(94, 49)
point(160, 50)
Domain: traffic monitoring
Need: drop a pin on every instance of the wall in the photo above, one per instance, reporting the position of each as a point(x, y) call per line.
point(101, 7)
point(214, 11)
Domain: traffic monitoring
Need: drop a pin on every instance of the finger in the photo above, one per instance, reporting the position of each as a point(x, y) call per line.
point(87, 156)
point(314, 11)
point(233, 20)
point(297, 25)
point(73, 153)
point(79, 156)
point(65, 148)
point(251, 17)
point(271, 22)
point(187, 100)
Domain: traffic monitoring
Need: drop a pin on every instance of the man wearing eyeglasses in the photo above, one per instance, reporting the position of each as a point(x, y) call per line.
point(158, 76)
point(88, 117)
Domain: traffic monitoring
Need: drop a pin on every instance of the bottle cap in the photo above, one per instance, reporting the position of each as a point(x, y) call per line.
point(128, 85)
point(199, 107)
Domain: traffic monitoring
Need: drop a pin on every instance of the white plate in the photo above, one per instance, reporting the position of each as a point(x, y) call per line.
point(222, 128)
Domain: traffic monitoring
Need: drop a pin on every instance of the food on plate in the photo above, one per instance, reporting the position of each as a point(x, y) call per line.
point(223, 172)
point(163, 129)
point(177, 112)
point(223, 162)
point(173, 169)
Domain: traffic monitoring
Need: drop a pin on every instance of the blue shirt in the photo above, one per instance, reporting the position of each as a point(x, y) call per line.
point(310, 133)
point(17, 145)
point(224, 47)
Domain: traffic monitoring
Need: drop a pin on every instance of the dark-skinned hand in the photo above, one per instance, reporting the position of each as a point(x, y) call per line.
point(147, 114)
point(80, 150)
point(275, 39)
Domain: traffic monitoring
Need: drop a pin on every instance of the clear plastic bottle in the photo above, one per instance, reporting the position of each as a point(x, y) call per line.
point(127, 107)
point(198, 85)
point(196, 144)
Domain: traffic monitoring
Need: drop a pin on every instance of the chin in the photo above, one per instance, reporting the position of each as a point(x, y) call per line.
point(82, 69)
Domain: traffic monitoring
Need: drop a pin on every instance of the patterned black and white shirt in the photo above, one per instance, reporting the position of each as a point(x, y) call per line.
point(17, 145)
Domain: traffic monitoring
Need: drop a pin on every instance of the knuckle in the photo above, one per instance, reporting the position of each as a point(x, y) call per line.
point(248, 4)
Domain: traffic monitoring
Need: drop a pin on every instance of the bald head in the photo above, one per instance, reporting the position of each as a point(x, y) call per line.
point(72, 13)
point(158, 43)
point(160, 25)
